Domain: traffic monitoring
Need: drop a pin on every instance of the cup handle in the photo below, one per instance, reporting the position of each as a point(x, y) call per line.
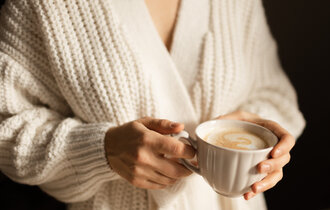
point(184, 135)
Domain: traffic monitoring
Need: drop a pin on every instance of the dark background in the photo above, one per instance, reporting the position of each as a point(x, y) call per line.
point(302, 31)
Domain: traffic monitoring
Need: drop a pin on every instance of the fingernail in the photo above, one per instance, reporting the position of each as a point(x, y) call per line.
point(278, 152)
point(265, 168)
point(174, 124)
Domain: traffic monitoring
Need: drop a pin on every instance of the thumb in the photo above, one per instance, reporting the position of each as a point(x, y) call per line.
point(162, 126)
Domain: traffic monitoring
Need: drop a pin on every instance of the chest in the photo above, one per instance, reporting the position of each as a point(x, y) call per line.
point(164, 15)
point(111, 65)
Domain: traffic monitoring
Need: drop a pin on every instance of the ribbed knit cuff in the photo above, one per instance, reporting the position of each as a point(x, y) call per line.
point(87, 154)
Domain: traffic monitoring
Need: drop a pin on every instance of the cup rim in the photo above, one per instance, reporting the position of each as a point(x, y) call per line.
point(237, 150)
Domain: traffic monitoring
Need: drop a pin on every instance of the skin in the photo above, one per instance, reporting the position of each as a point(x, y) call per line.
point(136, 150)
point(163, 14)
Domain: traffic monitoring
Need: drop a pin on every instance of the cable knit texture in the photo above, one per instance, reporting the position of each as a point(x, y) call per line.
point(70, 70)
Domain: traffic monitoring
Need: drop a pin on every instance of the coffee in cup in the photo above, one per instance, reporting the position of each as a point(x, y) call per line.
point(236, 138)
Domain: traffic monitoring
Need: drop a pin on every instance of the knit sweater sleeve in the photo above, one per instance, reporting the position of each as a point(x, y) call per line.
point(273, 97)
point(41, 141)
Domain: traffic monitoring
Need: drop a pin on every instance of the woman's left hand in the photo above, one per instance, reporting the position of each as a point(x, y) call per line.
point(280, 155)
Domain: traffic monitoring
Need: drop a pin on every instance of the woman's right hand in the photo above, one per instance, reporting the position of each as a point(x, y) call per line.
point(137, 152)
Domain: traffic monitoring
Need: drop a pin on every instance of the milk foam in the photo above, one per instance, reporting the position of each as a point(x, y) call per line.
point(236, 139)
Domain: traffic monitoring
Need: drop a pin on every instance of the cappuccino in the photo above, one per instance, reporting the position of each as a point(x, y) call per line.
point(230, 172)
point(236, 139)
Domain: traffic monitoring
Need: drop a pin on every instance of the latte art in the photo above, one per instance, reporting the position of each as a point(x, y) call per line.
point(236, 139)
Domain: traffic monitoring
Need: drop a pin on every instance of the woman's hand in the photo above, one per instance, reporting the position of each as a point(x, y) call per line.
point(136, 152)
point(280, 155)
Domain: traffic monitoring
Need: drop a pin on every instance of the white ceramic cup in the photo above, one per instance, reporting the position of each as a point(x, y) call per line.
point(230, 172)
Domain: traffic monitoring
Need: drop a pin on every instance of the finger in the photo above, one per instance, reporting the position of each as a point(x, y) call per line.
point(278, 130)
point(268, 182)
point(283, 146)
point(249, 195)
point(149, 184)
point(155, 176)
point(144, 177)
point(162, 126)
point(170, 168)
point(273, 164)
point(286, 140)
point(172, 147)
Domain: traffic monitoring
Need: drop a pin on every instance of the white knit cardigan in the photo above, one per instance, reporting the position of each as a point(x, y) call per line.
point(71, 69)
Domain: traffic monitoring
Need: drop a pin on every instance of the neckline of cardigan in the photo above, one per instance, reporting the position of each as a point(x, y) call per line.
point(176, 25)
point(167, 83)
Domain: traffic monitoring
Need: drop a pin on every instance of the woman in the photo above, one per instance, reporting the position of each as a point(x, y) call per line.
point(78, 78)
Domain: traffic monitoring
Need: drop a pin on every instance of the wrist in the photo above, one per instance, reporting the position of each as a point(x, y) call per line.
point(107, 147)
